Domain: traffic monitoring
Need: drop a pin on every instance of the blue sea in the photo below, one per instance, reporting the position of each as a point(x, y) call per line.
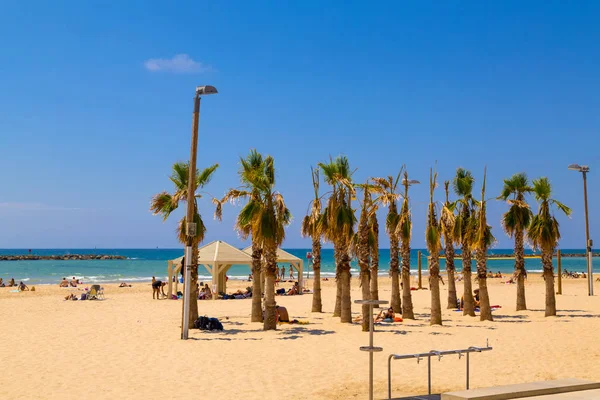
point(142, 264)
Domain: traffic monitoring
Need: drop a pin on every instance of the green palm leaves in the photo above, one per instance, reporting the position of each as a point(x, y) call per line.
point(544, 230)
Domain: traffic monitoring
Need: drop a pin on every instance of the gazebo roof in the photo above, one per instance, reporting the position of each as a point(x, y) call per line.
point(221, 252)
point(282, 255)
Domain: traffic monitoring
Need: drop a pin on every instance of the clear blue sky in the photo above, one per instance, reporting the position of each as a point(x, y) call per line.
point(95, 106)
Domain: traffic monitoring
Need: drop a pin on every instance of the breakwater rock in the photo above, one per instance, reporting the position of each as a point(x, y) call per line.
point(62, 257)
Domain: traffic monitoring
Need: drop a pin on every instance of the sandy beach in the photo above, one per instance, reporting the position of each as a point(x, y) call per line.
point(128, 346)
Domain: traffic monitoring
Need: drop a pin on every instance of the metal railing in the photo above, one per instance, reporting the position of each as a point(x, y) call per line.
point(433, 353)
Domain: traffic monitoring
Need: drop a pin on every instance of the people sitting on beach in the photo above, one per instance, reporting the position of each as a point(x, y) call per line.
point(123, 284)
point(498, 275)
point(490, 275)
point(74, 282)
point(250, 278)
point(22, 287)
point(64, 283)
point(475, 300)
point(294, 290)
point(11, 283)
point(281, 314)
point(158, 287)
point(2, 283)
point(385, 316)
point(205, 293)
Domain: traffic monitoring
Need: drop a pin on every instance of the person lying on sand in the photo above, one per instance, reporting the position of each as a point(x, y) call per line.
point(71, 297)
point(158, 287)
point(385, 316)
point(64, 283)
point(23, 287)
point(294, 290)
point(123, 284)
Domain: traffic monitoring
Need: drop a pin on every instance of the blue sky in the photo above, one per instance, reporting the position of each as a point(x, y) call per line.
point(91, 122)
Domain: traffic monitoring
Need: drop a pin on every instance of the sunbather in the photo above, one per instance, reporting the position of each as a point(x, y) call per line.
point(123, 284)
point(64, 283)
point(385, 316)
point(23, 287)
point(12, 282)
point(73, 282)
point(281, 314)
point(2, 283)
point(294, 290)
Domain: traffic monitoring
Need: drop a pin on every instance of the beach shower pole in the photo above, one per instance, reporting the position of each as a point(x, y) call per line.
point(190, 224)
point(584, 169)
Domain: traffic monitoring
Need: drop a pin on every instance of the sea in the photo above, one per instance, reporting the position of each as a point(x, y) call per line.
point(142, 264)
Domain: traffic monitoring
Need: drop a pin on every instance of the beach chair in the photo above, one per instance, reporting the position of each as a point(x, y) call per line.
point(93, 293)
point(100, 294)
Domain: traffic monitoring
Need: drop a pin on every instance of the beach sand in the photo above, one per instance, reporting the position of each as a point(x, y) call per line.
point(128, 346)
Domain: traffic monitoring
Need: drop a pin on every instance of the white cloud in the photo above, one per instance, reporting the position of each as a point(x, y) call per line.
point(180, 63)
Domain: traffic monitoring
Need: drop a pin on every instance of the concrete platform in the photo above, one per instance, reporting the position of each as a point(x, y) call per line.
point(544, 388)
point(580, 395)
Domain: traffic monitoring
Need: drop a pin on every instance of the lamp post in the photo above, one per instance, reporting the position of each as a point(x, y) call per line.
point(190, 224)
point(584, 169)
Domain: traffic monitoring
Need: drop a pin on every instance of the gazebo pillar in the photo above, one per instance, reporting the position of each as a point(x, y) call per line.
point(300, 277)
point(170, 271)
point(215, 280)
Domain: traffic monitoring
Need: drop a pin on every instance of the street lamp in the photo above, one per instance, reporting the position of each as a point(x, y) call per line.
point(584, 169)
point(190, 224)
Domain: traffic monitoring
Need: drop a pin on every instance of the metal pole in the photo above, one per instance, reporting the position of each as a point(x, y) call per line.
point(588, 245)
point(429, 375)
point(191, 233)
point(467, 370)
point(419, 258)
point(390, 377)
point(370, 353)
point(559, 261)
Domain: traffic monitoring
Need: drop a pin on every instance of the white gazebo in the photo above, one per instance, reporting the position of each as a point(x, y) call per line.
point(217, 257)
point(286, 258)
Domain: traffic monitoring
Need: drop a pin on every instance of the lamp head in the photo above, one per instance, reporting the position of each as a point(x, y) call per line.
point(411, 182)
point(574, 167)
point(205, 90)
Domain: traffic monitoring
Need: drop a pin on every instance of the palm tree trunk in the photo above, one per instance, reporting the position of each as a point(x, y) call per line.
point(346, 300)
point(375, 259)
point(363, 263)
point(337, 310)
point(270, 322)
point(396, 302)
point(484, 298)
point(549, 278)
point(366, 295)
point(434, 287)
point(317, 304)
point(469, 306)
point(450, 269)
point(407, 306)
point(193, 316)
point(520, 270)
point(256, 286)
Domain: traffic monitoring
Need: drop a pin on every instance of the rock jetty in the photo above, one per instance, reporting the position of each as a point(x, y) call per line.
point(63, 257)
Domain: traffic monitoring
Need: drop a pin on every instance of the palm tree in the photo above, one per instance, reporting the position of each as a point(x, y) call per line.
point(387, 190)
point(483, 239)
point(164, 203)
point(544, 234)
point(404, 231)
point(515, 222)
point(374, 228)
point(464, 228)
point(433, 240)
point(263, 217)
point(337, 225)
point(311, 228)
point(363, 252)
point(447, 229)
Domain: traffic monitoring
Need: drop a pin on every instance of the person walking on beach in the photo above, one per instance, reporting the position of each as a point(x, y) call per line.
point(283, 272)
point(291, 272)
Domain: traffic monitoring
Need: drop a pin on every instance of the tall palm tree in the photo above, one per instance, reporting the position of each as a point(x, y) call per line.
point(544, 234)
point(387, 190)
point(464, 228)
point(433, 240)
point(482, 240)
point(164, 203)
point(404, 231)
point(374, 228)
point(447, 229)
point(338, 228)
point(263, 217)
point(311, 228)
point(515, 222)
point(363, 253)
